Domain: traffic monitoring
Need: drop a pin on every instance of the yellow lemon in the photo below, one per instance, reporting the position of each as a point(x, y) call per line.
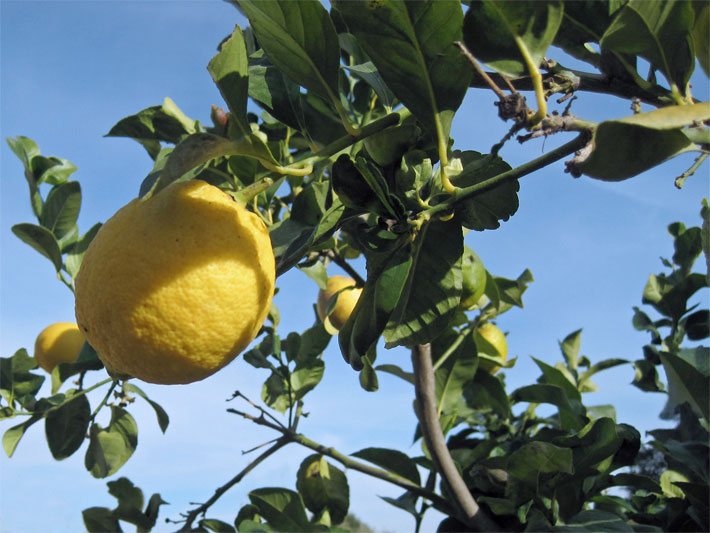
point(491, 342)
point(174, 287)
point(344, 305)
point(58, 343)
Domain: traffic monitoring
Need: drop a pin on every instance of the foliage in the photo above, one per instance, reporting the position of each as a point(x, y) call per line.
point(352, 157)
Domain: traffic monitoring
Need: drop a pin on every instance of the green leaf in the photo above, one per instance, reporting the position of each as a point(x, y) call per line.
point(163, 418)
point(687, 248)
point(212, 524)
point(487, 392)
point(317, 272)
point(274, 92)
point(595, 443)
point(199, 148)
point(313, 343)
point(584, 22)
point(306, 376)
point(110, 447)
point(61, 209)
point(396, 371)
point(100, 520)
point(571, 412)
point(497, 33)
point(42, 240)
point(626, 147)
point(701, 35)
point(528, 462)
point(15, 375)
point(554, 376)
point(705, 214)
point(300, 40)
point(432, 289)
point(66, 426)
point(669, 296)
point(412, 46)
point(26, 150)
point(646, 377)
point(51, 170)
point(11, 437)
point(87, 360)
point(75, 252)
point(323, 487)
point(368, 375)
point(659, 32)
point(459, 368)
point(486, 210)
point(391, 460)
point(282, 509)
point(352, 189)
point(689, 378)
point(600, 366)
point(229, 70)
point(570, 347)
point(697, 325)
point(368, 72)
point(594, 521)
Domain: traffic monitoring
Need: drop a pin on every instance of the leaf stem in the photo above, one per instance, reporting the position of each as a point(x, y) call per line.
point(79, 393)
point(518, 172)
point(536, 79)
point(202, 509)
point(424, 386)
point(103, 402)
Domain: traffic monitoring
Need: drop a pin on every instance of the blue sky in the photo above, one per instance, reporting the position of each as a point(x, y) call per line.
point(70, 70)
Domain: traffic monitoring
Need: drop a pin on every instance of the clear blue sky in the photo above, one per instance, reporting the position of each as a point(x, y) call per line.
point(70, 70)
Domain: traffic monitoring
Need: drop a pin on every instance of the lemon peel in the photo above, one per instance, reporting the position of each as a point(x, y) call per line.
point(174, 287)
point(347, 297)
point(58, 343)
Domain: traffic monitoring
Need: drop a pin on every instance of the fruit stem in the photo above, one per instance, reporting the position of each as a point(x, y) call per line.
point(103, 402)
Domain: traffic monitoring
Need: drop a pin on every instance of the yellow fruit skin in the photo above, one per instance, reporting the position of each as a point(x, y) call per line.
point(174, 287)
point(58, 343)
point(343, 306)
point(490, 341)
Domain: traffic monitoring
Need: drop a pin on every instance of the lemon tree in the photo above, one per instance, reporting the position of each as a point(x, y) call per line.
point(350, 166)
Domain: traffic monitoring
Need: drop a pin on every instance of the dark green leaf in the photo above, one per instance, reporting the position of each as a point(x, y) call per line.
point(275, 392)
point(87, 360)
point(659, 32)
point(412, 46)
point(571, 412)
point(100, 520)
point(584, 22)
point(306, 376)
point(323, 487)
point(15, 375)
point(455, 373)
point(75, 252)
point(282, 508)
point(701, 35)
point(275, 92)
point(487, 392)
point(109, 448)
point(528, 462)
point(391, 460)
point(300, 40)
point(600, 366)
point(163, 418)
point(229, 70)
point(432, 290)
point(554, 376)
point(697, 325)
point(66, 427)
point(688, 247)
point(51, 170)
point(369, 73)
point(42, 240)
point(646, 377)
point(314, 341)
point(594, 443)
point(669, 296)
point(368, 375)
point(406, 502)
point(351, 187)
point(485, 210)
point(61, 209)
point(396, 371)
point(689, 378)
point(212, 524)
point(626, 147)
point(594, 521)
point(11, 437)
point(497, 33)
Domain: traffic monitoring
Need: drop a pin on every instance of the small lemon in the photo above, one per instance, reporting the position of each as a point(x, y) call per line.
point(490, 341)
point(474, 279)
point(58, 343)
point(174, 287)
point(346, 300)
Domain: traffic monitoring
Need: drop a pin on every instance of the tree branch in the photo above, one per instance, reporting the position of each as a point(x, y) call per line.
point(424, 386)
point(202, 509)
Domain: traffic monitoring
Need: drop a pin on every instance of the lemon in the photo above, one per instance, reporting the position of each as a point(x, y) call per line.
point(344, 305)
point(490, 342)
point(174, 287)
point(474, 279)
point(58, 343)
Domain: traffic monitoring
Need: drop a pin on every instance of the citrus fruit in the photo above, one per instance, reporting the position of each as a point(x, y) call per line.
point(174, 287)
point(340, 310)
point(58, 343)
point(474, 279)
point(490, 342)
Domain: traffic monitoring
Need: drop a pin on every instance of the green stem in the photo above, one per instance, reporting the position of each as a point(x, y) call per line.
point(103, 402)
point(64, 280)
point(536, 79)
point(80, 393)
point(546, 159)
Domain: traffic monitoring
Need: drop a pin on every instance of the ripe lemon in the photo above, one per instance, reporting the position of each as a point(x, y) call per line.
point(174, 287)
point(491, 342)
point(344, 305)
point(58, 343)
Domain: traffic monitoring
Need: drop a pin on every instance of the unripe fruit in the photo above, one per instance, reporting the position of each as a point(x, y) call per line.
point(337, 286)
point(474, 279)
point(58, 343)
point(491, 342)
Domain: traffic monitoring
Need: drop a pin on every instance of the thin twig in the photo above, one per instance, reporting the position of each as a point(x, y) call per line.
point(470, 512)
point(479, 70)
point(347, 267)
point(680, 180)
point(263, 411)
point(202, 509)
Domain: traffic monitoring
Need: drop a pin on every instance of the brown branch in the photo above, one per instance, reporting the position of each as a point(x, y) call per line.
point(471, 513)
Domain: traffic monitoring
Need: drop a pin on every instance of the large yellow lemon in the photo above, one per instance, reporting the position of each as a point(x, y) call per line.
point(173, 288)
point(491, 342)
point(347, 297)
point(58, 343)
